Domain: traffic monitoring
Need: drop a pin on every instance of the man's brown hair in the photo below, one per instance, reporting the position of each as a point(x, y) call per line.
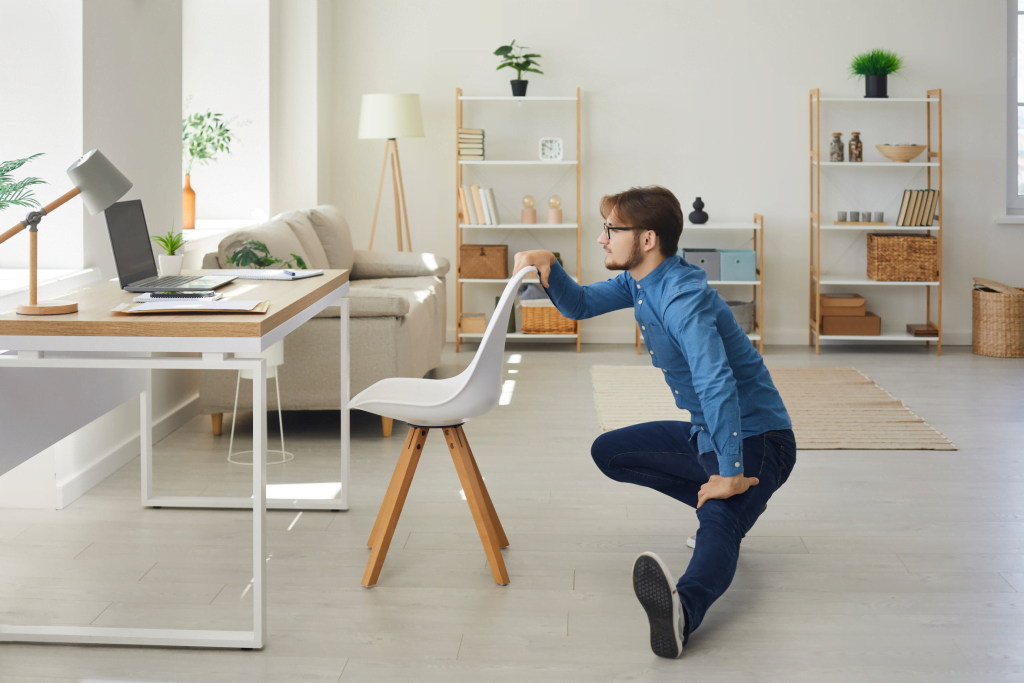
point(652, 208)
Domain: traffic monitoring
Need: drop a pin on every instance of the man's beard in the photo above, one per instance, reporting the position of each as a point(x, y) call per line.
point(636, 257)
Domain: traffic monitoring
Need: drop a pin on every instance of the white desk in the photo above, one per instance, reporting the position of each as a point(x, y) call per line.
point(96, 338)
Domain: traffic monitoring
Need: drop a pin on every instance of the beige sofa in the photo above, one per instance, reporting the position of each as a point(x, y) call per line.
point(396, 316)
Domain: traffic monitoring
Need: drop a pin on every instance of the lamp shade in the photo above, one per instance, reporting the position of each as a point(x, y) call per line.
point(98, 180)
point(390, 116)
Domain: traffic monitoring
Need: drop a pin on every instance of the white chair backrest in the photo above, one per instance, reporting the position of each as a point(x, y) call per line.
point(481, 381)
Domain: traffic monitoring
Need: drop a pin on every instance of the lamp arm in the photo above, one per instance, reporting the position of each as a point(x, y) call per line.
point(63, 199)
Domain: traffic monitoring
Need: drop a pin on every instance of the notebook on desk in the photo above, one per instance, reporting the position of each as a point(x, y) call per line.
point(263, 274)
point(220, 306)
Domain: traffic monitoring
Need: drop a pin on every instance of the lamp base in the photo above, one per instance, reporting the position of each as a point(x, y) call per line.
point(55, 307)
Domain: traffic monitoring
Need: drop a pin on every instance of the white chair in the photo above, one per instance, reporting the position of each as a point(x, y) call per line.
point(275, 359)
point(444, 404)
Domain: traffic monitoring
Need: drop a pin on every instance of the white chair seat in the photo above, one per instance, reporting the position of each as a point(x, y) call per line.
point(443, 402)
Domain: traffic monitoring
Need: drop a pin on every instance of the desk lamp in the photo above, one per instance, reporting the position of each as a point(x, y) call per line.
point(100, 184)
point(390, 117)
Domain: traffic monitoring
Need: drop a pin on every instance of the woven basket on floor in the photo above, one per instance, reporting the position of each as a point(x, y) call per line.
point(908, 258)
point(998, 320)
point(546, 320)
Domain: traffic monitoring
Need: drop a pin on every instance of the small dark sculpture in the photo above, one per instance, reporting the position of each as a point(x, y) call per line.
point(699, 216)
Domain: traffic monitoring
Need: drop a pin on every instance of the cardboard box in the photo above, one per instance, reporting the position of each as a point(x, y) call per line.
point(842, 305)
point(473, 323)
point(868, 325)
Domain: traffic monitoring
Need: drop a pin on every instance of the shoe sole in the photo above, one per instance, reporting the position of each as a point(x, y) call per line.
point(652, 584)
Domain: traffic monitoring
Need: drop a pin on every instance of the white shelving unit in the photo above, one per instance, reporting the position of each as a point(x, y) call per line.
point(757, 336)
point(819, 279)
point(460, 226)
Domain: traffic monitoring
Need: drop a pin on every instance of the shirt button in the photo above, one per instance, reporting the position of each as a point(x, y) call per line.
point(734, 433)
point(664, 370)
point(642, 327)
point(652, 353)
point(638, 286)
point(641, 301)
point(677, 391)
point(737, 464)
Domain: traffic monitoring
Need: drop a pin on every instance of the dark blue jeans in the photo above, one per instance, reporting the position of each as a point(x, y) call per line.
point(662, 456)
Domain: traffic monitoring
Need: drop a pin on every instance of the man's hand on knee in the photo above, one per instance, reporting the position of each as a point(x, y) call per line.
point(724, 487)
point(543, 260)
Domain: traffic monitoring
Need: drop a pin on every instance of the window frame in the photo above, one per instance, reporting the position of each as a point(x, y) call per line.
point(1014, 202)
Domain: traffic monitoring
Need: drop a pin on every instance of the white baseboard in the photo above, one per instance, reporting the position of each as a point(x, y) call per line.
point(79, 483)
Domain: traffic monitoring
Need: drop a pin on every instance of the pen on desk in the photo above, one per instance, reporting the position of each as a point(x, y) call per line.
point(289, 272)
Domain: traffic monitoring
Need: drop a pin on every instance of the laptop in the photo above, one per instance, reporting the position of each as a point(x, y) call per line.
point(133, 255)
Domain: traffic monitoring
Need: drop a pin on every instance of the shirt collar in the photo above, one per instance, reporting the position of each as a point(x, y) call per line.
point(656, 275)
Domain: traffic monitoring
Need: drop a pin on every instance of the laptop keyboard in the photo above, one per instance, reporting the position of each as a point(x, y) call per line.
point(171, 281)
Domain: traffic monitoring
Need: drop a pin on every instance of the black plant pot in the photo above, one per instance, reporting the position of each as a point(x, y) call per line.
point(519, 88)
point(875, 86)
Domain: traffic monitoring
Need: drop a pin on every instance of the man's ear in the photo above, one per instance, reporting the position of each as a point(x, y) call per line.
point(650, 240)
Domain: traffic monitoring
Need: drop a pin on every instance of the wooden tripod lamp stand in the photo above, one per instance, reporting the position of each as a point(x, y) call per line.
point(390, 117)
point(100, 184)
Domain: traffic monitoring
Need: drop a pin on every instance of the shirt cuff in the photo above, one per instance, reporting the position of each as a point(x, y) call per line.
point(730, 465)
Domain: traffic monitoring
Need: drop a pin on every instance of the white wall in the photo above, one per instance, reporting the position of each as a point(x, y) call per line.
point(42, 112)
point(225, 62)
point(708, 99)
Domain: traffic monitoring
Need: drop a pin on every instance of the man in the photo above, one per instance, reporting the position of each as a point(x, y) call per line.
point(738, 448)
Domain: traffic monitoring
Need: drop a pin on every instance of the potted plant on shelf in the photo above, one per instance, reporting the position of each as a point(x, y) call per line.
point(203, 137)
point(875, 66)
point(17, 192)
point(512, 56)
point(171, 243)
point(254, 254)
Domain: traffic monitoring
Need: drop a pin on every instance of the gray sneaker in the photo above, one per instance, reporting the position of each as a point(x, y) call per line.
point(655, 589)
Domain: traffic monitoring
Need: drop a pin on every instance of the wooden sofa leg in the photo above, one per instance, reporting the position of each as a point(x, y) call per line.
point(387, 422)
point(218, 423)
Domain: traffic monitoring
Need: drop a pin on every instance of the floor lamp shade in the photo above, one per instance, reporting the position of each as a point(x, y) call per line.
point(98, 180)
point(390, 116)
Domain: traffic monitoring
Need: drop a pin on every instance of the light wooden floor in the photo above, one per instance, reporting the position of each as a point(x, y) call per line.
point(868, 565)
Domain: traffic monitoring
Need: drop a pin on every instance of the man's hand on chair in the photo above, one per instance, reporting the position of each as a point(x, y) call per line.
point(724, 487)
point(543, 260)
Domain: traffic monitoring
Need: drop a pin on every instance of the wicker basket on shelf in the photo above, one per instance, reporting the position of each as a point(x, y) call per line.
point(541, 317)
point(998, 320)
point(906, 258)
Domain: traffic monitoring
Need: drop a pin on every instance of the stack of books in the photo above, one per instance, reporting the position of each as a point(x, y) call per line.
point(471, 144)
point(918, 208)
point(477, 206)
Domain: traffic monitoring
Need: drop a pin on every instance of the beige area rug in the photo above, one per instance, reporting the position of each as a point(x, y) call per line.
point(831, 408)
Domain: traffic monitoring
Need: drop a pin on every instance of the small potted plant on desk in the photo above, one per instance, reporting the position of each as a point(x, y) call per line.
point(512, 56)
point(875, 66)
point(254, 254)
point(171, 243)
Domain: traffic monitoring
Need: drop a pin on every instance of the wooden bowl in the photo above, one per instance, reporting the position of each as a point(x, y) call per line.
point(901, 154)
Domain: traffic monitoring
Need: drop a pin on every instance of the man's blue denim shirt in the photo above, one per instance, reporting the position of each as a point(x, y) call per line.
point(709, 363)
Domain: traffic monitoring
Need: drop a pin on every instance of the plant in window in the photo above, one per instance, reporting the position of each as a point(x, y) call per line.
point(254, 254)
point(874, 66)
point(514, 56)
point(204, 137)
point(17, 192)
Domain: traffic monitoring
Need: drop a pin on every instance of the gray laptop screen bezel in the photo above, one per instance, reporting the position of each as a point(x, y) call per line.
point(120, 209)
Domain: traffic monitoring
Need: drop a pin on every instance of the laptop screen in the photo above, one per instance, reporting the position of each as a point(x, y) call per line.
point(129, 238)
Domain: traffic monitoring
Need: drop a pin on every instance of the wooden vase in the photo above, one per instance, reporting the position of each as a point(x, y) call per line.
point(188, 205)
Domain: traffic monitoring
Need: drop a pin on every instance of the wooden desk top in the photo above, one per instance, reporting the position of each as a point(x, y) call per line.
point(95, 319)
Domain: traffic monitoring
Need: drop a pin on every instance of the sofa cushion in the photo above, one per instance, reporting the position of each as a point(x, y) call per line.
point(275, 233)
point(300, 224)
point(397, 264)
point(369, 302)
point(332, 230)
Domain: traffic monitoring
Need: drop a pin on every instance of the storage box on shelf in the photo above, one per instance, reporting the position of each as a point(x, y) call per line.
point(538, 321)
point(893, 260)
point(739, 264)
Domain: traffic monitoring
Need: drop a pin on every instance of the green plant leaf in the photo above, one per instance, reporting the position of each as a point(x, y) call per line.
point(877, 62)
point(502, 66)
point(17, 192)
point(503, 50)
point(536, 71)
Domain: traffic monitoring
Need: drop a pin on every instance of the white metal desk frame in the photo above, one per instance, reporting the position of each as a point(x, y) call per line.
point(133, 353)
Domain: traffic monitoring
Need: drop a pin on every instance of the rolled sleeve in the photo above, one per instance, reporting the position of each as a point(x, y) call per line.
point(691, 318)
point(581, 302)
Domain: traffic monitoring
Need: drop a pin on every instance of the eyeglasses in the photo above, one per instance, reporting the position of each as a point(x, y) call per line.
point(609, 228)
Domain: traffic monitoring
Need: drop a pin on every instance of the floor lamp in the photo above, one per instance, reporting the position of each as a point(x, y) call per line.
point(390, 117)
point(100, 184)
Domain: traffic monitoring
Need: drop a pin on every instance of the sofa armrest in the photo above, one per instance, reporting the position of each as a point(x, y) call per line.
point(380, 264)
point(211, 261)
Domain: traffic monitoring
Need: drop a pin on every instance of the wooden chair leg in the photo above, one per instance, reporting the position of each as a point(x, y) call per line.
point(488, 505)
point(393, 503)
point(387, 423)
point(218, 423)
point(474, 496)
point(393, 486)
